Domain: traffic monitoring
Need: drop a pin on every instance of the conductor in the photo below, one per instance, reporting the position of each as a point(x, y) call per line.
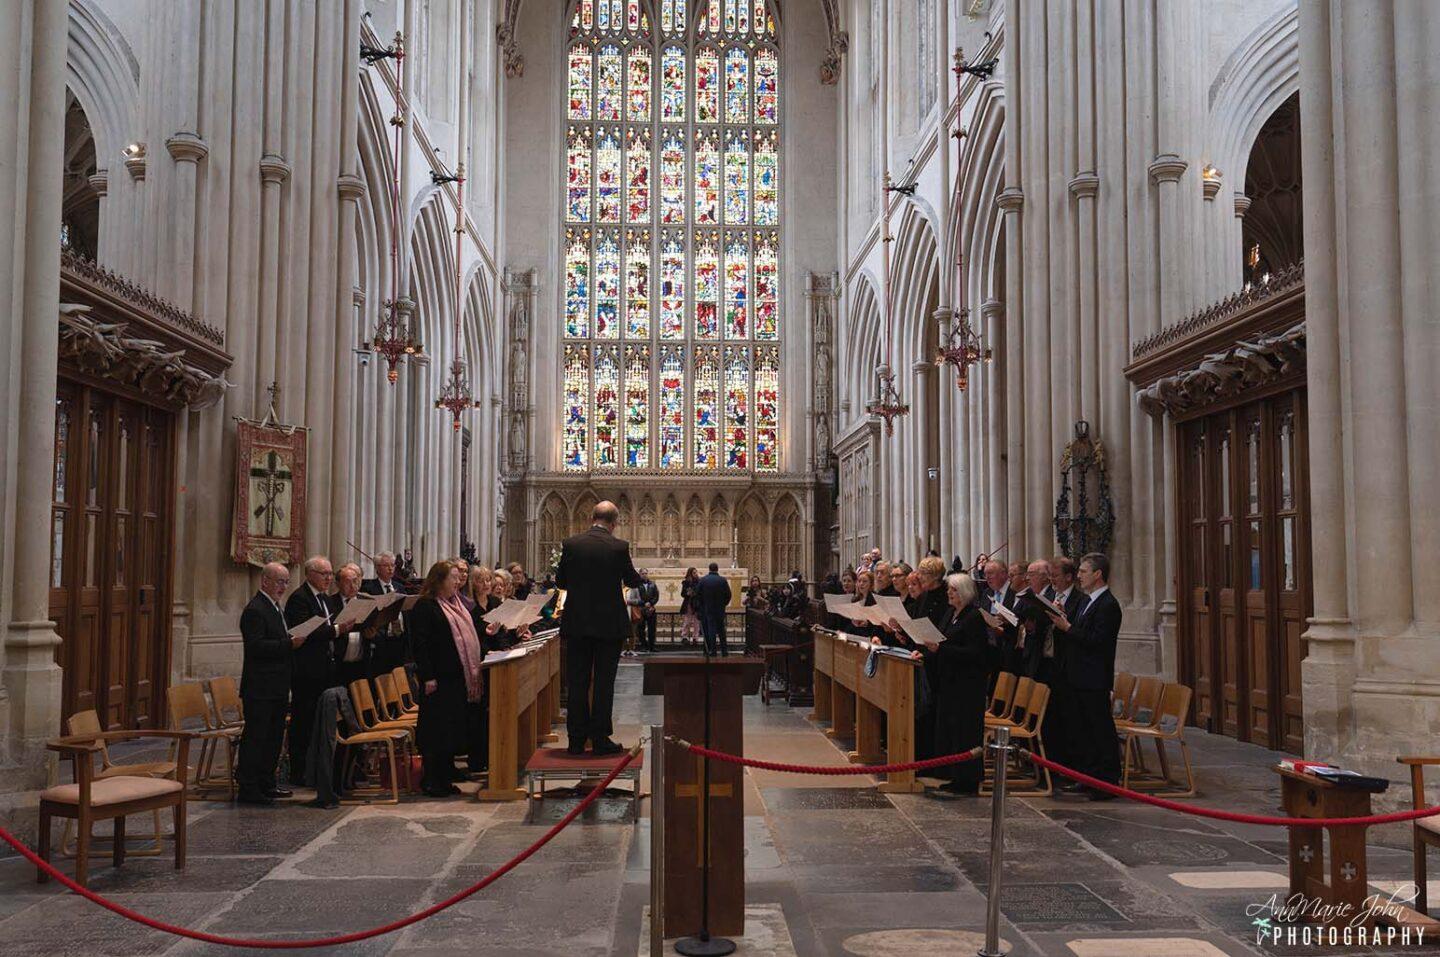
point(594, 570)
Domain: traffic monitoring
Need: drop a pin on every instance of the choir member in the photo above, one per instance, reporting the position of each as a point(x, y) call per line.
point(847, 581)
point(264, 688)
point(959, 684)
point(899, 580)
point(391, 649)
point(1089, 658)
point(313, 666)
point(477, 587)
point(356, 647)
point(1028, 656)
point(447, 663)
point(520, 584)
point(1057, 728)
point(881, 572)
point(864, 597)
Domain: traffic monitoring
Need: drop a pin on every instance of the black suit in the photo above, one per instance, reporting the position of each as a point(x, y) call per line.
point(713, 595)
point(314, 669)
point(265, 692)
point(392, 649)
point(645, 627)
point(594, 570)
point(960, 678)
point(1089, 663)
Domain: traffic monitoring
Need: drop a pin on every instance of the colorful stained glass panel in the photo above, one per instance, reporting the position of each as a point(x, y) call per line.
point(737, 292)
point(637, 284)
point(637, 86)
point(672, 285)
point(767, 410)
point(737, 179)
point(607, 86)
point(576, 439)
point(607, 409)
point(637, 176)
point(707, 286)
point(672, 85)
point(580, 80)
point(737, 86)
point(672, 407)
point(707, 86)
point(672, 178)
point(767, 284)
point(637, 407)
point(607, 287)
point(707, 409)
point(737, 408)
point(578, 184)
point(577, 283)
point(767, 86)
point(707, 179)
point(607, 176)
point(767, 180)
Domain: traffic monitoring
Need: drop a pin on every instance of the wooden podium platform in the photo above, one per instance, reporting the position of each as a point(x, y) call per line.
point(681, 679)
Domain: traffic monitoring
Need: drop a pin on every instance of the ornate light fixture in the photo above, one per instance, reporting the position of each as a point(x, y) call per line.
point(887, 404)
point(962, 349)
point(394, 335)
point(456, 397)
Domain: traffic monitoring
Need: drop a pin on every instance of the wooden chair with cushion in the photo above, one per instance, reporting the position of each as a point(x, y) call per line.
point(111, 798)
point(1425, 832)
point(225, 700)
point(85, 724)
point(1169, 725)
point(1122, 695)
point(189, 711)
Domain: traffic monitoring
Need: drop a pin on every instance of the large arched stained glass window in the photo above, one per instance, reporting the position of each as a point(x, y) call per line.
point(671, 304)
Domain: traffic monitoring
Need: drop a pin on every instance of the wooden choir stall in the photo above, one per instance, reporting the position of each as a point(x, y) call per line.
point(523, 686)
point(854, 704)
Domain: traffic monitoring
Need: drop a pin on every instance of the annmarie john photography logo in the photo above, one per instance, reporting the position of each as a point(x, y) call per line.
point(1300, 920)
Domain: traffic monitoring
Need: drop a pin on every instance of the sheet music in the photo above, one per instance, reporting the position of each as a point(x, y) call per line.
point(1003, 613)
point(921, 630)
point(893, 607)
point(1049, 605)
point(353, 646)
point(839, 604)
point(514, 613)
point(383, 602)
point(355, 611)
point(304, 629)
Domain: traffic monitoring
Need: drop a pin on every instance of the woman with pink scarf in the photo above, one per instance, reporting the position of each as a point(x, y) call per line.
point(447, 663)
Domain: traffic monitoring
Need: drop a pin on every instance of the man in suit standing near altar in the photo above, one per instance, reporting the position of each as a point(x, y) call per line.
point(595, 568)
point(713, 594)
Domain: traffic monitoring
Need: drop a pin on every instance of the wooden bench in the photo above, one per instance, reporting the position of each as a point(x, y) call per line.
point(523, 687)
point(857, 704)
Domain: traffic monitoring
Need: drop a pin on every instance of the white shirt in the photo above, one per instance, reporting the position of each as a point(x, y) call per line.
point(320, 600)
point(1093, 596)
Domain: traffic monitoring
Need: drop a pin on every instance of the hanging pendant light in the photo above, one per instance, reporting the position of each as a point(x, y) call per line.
point(456, 397)
point(887, 403)
point(394, 335)
point(962, 347)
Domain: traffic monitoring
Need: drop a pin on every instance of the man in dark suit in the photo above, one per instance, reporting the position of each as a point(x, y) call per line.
point(1089, 658)
point(594, 570)
point(713, 594)
point(1035, 632)
point(391, 649)
point(647, 596)
point(314, 661)
point(1058, 717)
point(264, 687)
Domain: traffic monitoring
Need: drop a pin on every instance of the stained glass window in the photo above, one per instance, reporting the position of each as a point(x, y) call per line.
point(672, 236)
point(637, 406)
point(767, 409)
point(607, 412)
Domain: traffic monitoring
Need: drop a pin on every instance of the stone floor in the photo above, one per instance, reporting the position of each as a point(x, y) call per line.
point(833, 868)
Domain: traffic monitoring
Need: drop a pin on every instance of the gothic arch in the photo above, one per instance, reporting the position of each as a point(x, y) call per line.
point(788, 528)
point(554, 524)
point(752, 537)
point(102, 72)
point(915, 271)
point(581, 513)
point(1259, 76)
point(978, 223)
point(862, 352)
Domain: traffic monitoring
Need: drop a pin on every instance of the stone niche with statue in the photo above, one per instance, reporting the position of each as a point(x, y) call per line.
point(747, 524)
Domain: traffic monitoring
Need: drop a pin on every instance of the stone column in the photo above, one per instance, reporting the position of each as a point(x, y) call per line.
point(992, 319)
point(1329, 668)
point(100, 182)
point(1009, 361)
point(31, 677)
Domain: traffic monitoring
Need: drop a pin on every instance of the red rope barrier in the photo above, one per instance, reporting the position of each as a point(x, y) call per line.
point(351, 938)
point(925, 765)
point(1219, 815)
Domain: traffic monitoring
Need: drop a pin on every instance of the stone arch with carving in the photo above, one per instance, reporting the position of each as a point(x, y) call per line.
point(103, 73)
point(718, 540)
point(554, 524)
point(787, 527)
point(752, 537)
point(580, 514)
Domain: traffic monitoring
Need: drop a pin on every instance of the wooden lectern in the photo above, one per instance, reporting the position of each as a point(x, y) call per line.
point(681, 679)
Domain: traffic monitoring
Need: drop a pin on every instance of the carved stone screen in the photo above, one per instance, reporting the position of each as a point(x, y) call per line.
point(671, 318)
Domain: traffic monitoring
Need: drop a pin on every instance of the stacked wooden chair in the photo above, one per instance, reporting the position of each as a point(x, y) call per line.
point(1019, 704)
point(190, 712)
point(396, 735)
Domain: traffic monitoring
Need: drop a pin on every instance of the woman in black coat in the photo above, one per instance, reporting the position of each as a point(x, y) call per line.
point(864, 596)
point(447, 664)
point(958, 682)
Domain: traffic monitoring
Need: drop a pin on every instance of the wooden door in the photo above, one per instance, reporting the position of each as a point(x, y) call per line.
point(1245, 568)
point(111, 521)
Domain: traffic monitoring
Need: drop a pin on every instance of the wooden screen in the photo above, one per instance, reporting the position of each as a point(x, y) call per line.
point(111, 528)
point(1245, 568)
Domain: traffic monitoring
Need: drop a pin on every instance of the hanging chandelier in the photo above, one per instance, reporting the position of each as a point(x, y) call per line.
point(394, 335)
point(887, 404)
point(962, 349)
point(456, 397)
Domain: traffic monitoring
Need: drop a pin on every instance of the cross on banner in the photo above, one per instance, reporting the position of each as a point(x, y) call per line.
point(1306, 854)
point(693, 791)
point(273, 482)
point(1348, 871)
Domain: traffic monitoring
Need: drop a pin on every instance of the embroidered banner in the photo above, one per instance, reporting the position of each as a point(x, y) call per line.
point(270, 477)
